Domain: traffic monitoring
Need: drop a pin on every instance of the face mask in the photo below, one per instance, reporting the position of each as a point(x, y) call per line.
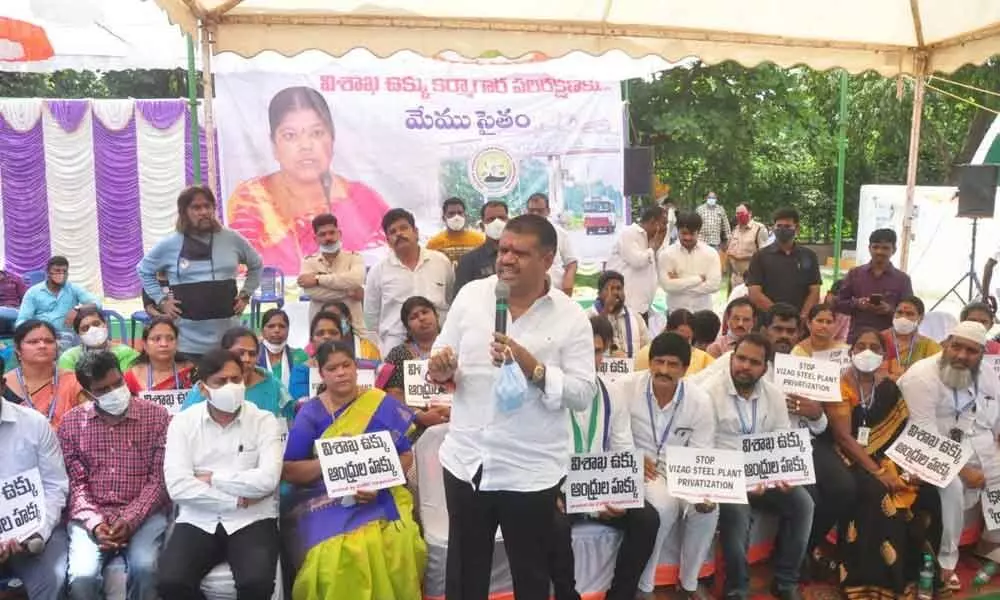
point(510, 388)
point(114, 402)
point(742, 218)
point(456, 223)
point(228, 398)
point(330, 248)
point(784, 234)
point(867, 361)
point(94, 337)
point(711, 200)
point(903, 326)
point(495, 228)
point(274, 348)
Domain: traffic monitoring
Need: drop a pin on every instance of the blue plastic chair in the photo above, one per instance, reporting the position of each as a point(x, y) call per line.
point(113, 318)
point(33, 277)
point(271, 291)
point(138, 317)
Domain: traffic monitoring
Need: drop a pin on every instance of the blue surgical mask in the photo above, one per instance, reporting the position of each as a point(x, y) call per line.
point(510, 388)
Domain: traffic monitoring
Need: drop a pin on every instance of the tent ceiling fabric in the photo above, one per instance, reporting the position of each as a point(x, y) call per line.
point(858, 35)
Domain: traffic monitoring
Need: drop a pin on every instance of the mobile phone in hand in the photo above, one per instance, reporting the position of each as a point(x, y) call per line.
point(875, 299)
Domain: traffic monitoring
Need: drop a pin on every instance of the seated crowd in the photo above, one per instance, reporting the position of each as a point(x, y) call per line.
point(230, 475)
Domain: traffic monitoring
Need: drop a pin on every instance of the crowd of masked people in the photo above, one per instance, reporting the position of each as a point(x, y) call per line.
point(231, 475)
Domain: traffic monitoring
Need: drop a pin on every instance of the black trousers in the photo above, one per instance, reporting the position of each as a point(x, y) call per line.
point(526, 519)
point(638, 526)
point(190, 553)
point(835, 491)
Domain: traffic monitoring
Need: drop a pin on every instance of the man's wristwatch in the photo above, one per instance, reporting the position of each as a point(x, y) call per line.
point(538, 374)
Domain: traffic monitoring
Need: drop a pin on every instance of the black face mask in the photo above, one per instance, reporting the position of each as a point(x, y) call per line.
point(784, 234)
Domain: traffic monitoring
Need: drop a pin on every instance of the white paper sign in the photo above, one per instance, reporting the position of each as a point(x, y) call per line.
point(931, 456)
point(700, 474)
point(366, 381)
point(841, 356)
point(993, 360)
point(360, 462)
point(613, 368)
point(815, 379)
point(417, 390)
point(778, 457)
point(991, 505)
point(168, 399)
point(602, 478)
point(22, 505)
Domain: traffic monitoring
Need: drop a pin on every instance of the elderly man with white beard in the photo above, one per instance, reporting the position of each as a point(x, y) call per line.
point(951, 394)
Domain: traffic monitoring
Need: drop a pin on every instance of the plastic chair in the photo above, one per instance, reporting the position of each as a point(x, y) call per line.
point(33, 277)
point(138, 317)
point(115, 319)
point(271, 291)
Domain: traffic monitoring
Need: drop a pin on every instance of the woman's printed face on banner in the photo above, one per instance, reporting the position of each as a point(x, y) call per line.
point(303, 145)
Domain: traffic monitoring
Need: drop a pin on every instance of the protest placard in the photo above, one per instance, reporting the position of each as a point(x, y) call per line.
point(990, 499)
point(361, 462)
point(22, 506)
point(706, 474)
point(815, 379)
point(168, 399)
point(366, 380)
point(602, 478)
point(778, 457)
point(932, 457)
point(418, 391)
point(613, 368)
point(841, 356)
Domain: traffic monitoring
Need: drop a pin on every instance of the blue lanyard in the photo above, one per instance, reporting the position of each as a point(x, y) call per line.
point(27, 393)
point(909, 355)
point(972, 403)
point(743, 423)
point(865, 406)
point(661, 441)
point(149, 378)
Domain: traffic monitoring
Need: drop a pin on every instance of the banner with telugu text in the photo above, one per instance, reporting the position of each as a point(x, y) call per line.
point(358, 143)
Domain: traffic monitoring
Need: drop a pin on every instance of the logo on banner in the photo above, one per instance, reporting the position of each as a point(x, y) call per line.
point(493, 171)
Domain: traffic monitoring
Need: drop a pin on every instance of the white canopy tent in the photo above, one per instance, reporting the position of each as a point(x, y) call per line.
point(892, 37)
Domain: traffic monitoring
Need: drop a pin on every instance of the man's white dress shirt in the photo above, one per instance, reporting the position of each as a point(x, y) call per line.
point(688, 290)
point(637, 327)
point(244, 458)
point(632, 257)
point(390, 283)
point(617, 423)
point(28, 442)
point(763, 412)
point(522, 450)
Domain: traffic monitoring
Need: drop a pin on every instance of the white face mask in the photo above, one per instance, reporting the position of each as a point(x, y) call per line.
point(867, 361)
point(456, 223)
point(114, 402)
point(94, 337)
point(228, 398)
point(274, 348)
point(330, 248)
point(904, 326)
point(711, 200)
point(494, 229)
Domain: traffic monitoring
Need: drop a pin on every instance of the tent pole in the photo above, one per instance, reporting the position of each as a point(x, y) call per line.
point(841, 166)
point(192, 79)
point(913, 158)
point(207, 35)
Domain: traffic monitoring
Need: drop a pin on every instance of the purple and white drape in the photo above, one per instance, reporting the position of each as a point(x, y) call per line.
point(93, 180)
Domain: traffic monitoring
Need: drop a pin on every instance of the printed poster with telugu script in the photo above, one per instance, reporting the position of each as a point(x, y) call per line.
point(22, 505)
point(598, 479)
point(778, 457)
point(612, 369)
point(932, 457)
point(361, 462)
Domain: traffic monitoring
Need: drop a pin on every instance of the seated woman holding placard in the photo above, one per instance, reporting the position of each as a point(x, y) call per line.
point(365, 546)
point(885, 534)
point(324, 327)
point(821, 343)
point(263, 389)
point(157, 368)
point(420, 318)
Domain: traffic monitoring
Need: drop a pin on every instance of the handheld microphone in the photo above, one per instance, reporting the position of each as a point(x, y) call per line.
point(503, 297)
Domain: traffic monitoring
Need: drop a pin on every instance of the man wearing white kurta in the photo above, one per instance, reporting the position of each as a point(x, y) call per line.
point(634, 256)
point(630, 331)
point(666, 411)
point(689, 270)
point(954, 395)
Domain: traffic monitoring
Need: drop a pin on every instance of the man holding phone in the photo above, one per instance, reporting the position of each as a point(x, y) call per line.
point(870, 292)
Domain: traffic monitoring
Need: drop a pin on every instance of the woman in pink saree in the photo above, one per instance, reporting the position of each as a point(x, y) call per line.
point(275, 211)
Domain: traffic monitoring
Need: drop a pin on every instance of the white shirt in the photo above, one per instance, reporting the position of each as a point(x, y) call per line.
point(688, 290)
point(763, 412)
point(932, 406)
point(632, 257)
point(689, 417)
point(640, 333)
point(565, 256)
point(390, 283)
point(617, 423)
point(722, 365)
point(521, 451)
point(28, 442)
point(245, 460)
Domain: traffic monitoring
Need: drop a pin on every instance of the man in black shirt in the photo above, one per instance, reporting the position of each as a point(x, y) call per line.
point(482, 262)
point(784, 271)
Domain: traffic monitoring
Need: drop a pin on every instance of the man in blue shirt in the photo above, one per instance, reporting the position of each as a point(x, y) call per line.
point(56, 301)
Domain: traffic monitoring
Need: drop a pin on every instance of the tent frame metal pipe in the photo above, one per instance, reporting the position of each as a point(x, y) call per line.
point(913, 158)
point(207, 40)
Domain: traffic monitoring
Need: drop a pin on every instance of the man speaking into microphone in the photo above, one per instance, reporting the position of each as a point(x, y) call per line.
point(506, 450)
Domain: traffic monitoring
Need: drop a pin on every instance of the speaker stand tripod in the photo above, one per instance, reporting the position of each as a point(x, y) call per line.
point(974, 284)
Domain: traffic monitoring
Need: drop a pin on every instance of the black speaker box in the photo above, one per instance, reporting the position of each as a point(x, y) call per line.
point(977, 190)
point(638, 171)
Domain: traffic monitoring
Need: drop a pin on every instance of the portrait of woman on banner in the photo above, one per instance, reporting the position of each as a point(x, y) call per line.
point(275, 211)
